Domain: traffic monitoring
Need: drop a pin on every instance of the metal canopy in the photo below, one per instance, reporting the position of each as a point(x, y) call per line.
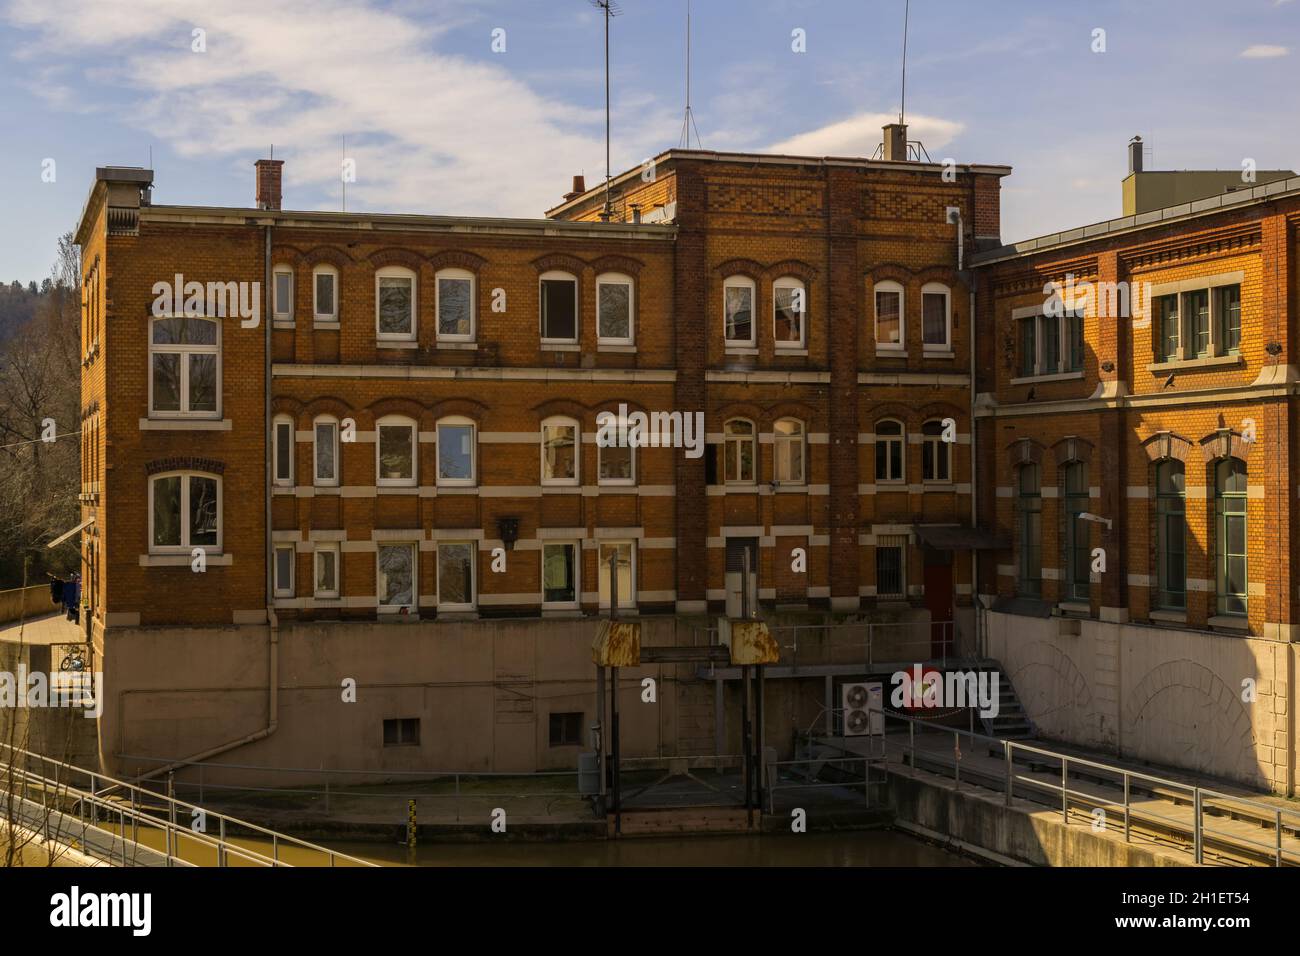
point(953, 538)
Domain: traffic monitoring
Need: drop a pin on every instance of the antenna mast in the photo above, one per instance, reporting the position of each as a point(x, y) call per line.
point(610, 8)
point(902, 99)
point(688, 121)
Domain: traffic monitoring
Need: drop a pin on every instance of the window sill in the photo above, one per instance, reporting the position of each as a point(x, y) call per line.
point(326, 325)
point(282, 324)
point(741, 350)
point(791, 350)
point(183, 560)
point(621, 348)
point(561, 347)
point(1168, 617)
point(1193, 364)
point(185, 424)
point(1054, 377)
point(938, 353)
point(1231, 622)
point(886, 352)
point(456, 346)
point(391, 344)
point(1074, 609)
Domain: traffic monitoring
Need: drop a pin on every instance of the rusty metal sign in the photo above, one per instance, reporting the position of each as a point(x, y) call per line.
point(750, 642)
point(617, 644)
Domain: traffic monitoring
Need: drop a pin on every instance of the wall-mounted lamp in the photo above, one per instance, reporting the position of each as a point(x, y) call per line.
point(1087, 516)
point(508, 529)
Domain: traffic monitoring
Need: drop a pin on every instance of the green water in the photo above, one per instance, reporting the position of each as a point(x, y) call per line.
point(848, 848)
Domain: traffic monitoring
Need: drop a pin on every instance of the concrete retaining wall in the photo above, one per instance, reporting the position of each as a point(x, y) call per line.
point(25, 602)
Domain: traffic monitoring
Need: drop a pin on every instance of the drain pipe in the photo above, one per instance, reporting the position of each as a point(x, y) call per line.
point(976, 603)
point(273, 625)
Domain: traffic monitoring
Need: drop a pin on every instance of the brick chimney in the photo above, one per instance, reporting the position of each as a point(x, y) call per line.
point(579, 187)
point(268, 183)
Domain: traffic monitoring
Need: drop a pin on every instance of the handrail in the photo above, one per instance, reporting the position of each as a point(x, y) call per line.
point(171, 805)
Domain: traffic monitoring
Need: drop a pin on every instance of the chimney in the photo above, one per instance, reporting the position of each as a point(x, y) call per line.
point(1135, 155)
point(268, 183)
point(896, 143)
point(579, 187)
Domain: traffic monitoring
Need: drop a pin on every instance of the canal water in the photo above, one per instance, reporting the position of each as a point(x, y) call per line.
point(846, 848)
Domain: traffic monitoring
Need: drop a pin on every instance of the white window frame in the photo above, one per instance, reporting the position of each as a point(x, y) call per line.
point(398, 421)
point(184, 351)
point(617, 278)
point(473, 576)
point(414, 548)
point(185, 547)
point(728, 440)
point(472, 480)
point(937, 288)
point(577, 576)
point(791, 282)
point(562, 421)
point(283, 589)
point(626, 602)
point(559, 275)
point(622, 425)
point(901, 440)
point(320, 549)
point(801, 440)
point(740, 281)
point(888, 286)
point(277, 479)
point(316, 479)
point(280, 311)
point(319, 317)
point(942, 447)
point(398, 272)
point(460, 275)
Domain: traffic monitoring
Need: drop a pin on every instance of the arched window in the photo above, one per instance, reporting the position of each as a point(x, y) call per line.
point(889, 451)
point(738, 300)
point(560, 451)
point(559, 307)
point(395, 451)
point(615, 300)
point(457, 443)
point(1078, 556)
point(282, 440)
point(454, 291)
point(1230, 535)
point(936, 454)
point(788, 447)
point(890, 328)
point(184, 512)
point(738, 452)
point(185, 367)
point(789, 313)
point(325, 294)
point(325, 450)
point(1171, 536)
point(936, 316)
point(395, 304)
point(1029, 514)
point(615, 451)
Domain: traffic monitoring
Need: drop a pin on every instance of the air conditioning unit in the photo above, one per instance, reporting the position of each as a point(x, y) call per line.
point(863, 708)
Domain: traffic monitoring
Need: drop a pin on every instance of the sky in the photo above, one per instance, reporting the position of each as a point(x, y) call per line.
point(489, 107)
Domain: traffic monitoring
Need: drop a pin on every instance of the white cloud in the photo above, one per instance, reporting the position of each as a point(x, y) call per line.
point(1264, 51)
point(860, 135)
point(430, 131)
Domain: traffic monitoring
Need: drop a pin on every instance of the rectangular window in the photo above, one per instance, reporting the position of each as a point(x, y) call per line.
point(890, 551)
point(565, 730)
point(327, 571)
point(396, 307)
point(615, 464)
point(1028, 347)
point(1230, 535)
point(614, 311)
point(283, 295)
point(167, 511)
point(396, 564)
point(1227, 307)
point(455, 454)
point(284, 562)
point(625, 555)
point(396, 449)
point(889, 319)
point(789, 302)
point(559, 454)
point(560, 574)
point(284, 439)
point(1073, 341)
point(456, 576)
point(402, 732)
point(1167, 329)
point(1171, 536)
point(184, 366)
point(559, 310)
point(1030, 517)
point(934, 319)
point(889, 451)
point(327, 453)
point(739, 304)
point(455, 307)
point(326, 308)
point(1078, 555)
point(1196, 315)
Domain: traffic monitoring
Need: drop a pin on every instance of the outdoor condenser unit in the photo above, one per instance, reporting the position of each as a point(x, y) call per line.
point(863, 708)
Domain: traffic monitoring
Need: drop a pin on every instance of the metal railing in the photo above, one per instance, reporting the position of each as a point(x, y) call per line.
point(1202, 800)
point(774, 785)
point(104, 802)
point(878, 643)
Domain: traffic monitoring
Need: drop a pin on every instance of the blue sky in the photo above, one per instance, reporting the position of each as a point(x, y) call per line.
point(439, 123)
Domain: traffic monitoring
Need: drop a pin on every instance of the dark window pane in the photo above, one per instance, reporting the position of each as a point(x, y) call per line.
point(559, 309)
point(203, 511)
point(740, 313)
point(396, 452)
point(395, 316)
point(888, 318)
point(559, 582)
point(284, 450)
point(203, 382)
point(396, 575)
point(615, 310)
point(616, 463)
point(454, 305)
point(934, 308)
point(167, 511)
point(456, 451)
point(455, 574)
point(167, 382)
point(325, 293)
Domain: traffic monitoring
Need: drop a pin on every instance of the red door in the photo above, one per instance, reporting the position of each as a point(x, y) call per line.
point(938, 598)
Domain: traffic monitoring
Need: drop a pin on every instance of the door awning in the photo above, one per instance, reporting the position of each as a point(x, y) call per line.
point(954, 538)
point(68, 534)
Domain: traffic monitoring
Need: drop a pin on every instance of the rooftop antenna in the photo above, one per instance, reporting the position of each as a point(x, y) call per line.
point(902, 99)
point(688, 121)
point(611, 9)
point(343, 177)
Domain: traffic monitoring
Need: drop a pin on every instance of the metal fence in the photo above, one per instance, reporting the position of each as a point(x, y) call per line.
point(867, 643)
